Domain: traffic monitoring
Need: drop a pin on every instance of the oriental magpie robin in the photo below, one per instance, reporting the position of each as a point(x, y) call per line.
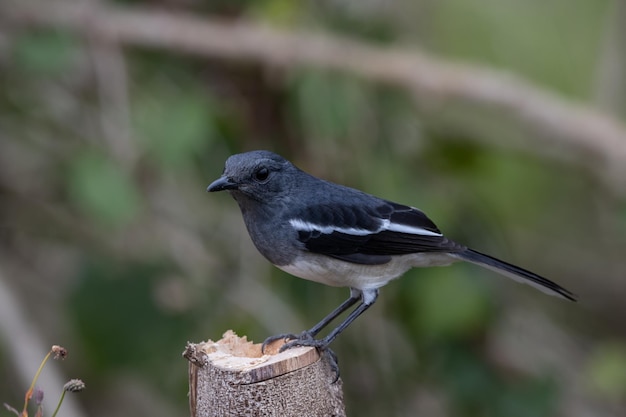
point(339, 236)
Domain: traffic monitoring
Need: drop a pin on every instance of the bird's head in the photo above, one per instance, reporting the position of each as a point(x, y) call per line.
point(256, 175)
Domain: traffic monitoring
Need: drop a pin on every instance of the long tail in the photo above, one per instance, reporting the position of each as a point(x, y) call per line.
point(515, 272)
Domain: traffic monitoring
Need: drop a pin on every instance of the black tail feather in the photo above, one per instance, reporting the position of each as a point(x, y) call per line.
point(516, 273)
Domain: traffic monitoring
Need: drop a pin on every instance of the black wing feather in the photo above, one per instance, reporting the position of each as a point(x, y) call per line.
point(373, 248)
point(410, 216)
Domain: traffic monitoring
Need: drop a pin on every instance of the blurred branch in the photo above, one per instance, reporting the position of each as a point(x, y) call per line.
point(109, 68)
point(544, 122)
point(611, 76)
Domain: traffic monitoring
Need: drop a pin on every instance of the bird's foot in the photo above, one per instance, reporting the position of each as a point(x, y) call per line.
point(287, 337)
point(306, 339)
point(323, 349)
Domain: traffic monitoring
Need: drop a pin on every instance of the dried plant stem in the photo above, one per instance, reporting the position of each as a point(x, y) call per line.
point(56, 410)
point(29, 393)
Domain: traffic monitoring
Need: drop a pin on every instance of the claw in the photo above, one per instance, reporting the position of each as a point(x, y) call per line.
point(333, 361)
point(305, 339)
point(319, 344)
point(322, 347)
point(304, 336)
point(272, 339)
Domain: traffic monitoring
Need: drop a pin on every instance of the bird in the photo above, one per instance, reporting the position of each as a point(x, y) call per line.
point(339, 236)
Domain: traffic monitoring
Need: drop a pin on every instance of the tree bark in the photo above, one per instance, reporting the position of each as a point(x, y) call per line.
point(231, 377)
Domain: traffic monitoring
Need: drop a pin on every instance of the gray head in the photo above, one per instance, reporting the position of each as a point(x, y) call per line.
point(256, 175)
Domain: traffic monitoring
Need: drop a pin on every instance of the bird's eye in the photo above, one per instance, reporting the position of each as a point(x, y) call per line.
point(261, 174)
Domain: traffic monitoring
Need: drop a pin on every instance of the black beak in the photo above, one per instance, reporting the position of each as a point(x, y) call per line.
point(221, 184)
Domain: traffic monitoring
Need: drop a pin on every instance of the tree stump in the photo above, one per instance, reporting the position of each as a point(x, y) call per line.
point(231, 377)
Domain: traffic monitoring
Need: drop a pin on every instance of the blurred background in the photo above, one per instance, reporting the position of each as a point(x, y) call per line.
point(501, 119)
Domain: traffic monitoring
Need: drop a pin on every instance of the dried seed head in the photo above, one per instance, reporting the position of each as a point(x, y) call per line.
point(59, 352)
point(74, 385)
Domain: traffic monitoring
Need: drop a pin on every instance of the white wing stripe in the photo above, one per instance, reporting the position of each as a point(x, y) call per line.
point(300, 224)
point(412, 230)
point(309, 227)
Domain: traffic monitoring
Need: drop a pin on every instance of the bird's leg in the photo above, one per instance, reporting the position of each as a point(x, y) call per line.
point(368, 297)
point(355, 295)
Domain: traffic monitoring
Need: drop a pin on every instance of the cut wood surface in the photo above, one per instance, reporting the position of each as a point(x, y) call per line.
point(232, 377)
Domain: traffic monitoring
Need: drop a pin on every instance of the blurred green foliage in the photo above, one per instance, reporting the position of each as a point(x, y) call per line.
point(131, 227)
point(449, 305)
point(553, 43)
point(134, 331)
point(173, 122)
point(44, 53)
point(476, 390)
point(607, 370)
point(103, 190)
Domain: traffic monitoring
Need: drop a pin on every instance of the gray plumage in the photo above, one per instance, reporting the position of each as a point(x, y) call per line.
point(340, 236)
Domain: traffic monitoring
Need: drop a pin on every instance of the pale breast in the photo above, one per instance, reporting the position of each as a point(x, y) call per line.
point(338, 273)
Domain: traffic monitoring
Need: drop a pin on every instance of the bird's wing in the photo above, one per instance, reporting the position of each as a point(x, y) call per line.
point(368, 234)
